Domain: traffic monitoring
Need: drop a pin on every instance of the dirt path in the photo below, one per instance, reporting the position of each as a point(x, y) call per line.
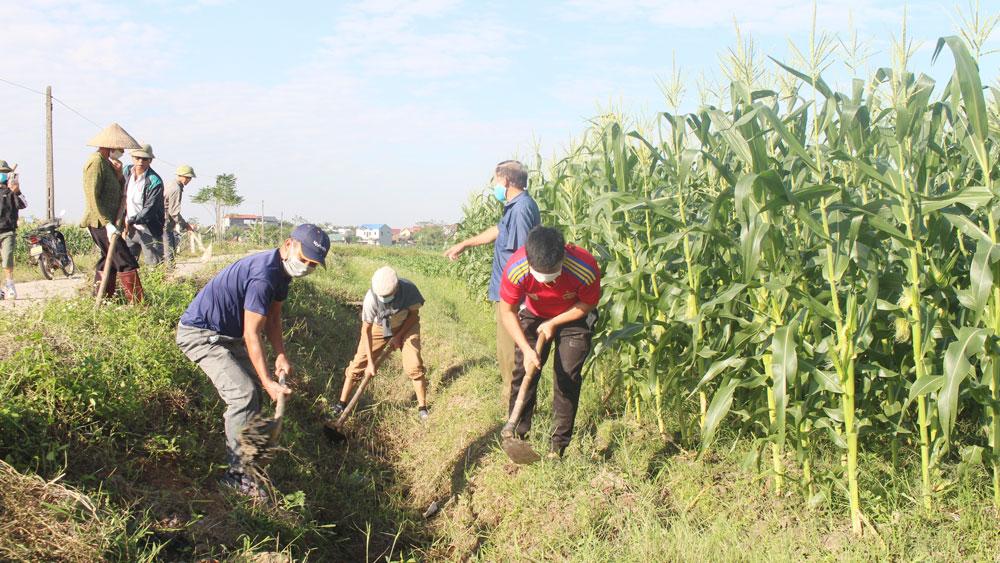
point(42, 291)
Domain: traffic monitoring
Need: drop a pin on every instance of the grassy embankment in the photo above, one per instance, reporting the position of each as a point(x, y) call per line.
point(106, 398)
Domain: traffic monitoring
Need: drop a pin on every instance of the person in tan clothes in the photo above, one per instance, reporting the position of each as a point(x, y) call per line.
point(390, 317)
point(103, 194)
point(175, 223)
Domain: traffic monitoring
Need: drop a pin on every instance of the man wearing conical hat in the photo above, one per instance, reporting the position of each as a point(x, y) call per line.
point(103, 197)
point(11, 202)
point(144, 215)
point(175, 223)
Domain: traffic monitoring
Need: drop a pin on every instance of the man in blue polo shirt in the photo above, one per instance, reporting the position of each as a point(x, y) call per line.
point(221, 332)
point(520, 215)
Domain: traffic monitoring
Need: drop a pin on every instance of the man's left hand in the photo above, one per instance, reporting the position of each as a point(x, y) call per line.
point(281, 364)
point(546, 330)
point(396, 342)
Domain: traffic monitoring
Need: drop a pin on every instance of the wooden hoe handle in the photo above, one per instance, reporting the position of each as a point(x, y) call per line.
point(107, 269)
point(522, 393)
point(361, 389)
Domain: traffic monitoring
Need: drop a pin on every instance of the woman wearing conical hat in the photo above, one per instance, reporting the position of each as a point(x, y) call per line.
point(103, 193)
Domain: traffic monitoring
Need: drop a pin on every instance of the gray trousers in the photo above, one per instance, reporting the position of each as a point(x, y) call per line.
point(146, 244)
point(226, 362)
point(170, 240)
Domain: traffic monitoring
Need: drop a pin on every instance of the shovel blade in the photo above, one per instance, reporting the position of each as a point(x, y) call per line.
point(333, 434)
point(520, 451)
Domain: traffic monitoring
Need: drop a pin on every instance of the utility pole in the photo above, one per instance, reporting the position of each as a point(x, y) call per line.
point(49, 175)
point(261, 238)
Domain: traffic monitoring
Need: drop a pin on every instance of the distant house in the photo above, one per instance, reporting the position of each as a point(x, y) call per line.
point(395, 236)
point(338, 237)
point(246, 220)
point(378, 234)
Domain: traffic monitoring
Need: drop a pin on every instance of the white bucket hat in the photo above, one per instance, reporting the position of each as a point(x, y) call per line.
point(385, 281)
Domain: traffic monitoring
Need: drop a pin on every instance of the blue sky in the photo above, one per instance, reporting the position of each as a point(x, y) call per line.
point(385, 110)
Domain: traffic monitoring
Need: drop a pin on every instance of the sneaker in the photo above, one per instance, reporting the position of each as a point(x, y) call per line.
point(422, 414)
point(9, 292)
point(242, 484)
point(337, 410)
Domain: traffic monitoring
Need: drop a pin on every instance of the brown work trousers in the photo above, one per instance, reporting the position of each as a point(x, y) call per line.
point(413, 362)
point(573, 343)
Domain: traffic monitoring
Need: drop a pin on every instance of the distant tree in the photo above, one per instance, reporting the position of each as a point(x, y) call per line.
point(430, 236)
point(220, 196)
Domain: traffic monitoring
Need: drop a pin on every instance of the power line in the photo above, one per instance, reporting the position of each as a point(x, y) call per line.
point(64, 104)
point(67, 106)
point(22, 86)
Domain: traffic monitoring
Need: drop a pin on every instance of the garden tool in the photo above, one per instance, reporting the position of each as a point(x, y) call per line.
point(518, 450)
point(333, 430)
point(259, 438)
point(106, 274)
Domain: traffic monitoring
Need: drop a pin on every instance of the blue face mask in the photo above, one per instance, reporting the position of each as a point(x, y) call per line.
point(3, 178)
point(500, 192)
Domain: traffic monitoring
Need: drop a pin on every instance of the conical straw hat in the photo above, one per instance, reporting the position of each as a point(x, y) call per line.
point(113, 137)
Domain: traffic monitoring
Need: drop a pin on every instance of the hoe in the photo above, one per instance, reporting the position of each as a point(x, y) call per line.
point(259, 438)
point(519, 451)
point(334, 431)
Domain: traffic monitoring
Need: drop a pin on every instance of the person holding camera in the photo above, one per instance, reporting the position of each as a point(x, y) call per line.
point(11, 202)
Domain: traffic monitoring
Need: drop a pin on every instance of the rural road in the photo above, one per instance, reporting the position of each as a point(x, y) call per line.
point(41, 291)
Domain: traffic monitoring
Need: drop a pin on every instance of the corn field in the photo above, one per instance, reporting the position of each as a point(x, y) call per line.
point(818, 268)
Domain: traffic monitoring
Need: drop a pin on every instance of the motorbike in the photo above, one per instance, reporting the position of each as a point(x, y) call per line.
point(47, 249)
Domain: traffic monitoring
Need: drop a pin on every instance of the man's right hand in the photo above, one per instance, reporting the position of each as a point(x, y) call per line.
point(531, 360)
point(453, 252)
point(370, 369)
point(274, 389)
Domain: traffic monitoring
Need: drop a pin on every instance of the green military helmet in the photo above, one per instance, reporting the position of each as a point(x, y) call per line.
point(4, 167)
point(186, 171)
point(144, 151)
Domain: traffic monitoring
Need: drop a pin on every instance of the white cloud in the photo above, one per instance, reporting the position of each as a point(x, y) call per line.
point(417, 39)
point(324, 141)
point(780, 17)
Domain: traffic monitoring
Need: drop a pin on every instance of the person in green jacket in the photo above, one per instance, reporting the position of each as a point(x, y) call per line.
point(103, 194)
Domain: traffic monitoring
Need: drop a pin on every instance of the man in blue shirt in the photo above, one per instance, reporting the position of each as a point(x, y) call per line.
point(520, 215)
point(221, 332)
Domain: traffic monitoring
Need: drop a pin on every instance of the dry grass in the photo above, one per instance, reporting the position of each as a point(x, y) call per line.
point(45, 520)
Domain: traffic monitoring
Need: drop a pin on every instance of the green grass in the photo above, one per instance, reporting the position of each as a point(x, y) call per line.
point(107, 399)
point(623, 492)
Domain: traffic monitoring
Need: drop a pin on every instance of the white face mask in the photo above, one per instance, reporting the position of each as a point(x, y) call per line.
point(385, 298)
point(117, 154)
point(296, 267)
point(544, 278)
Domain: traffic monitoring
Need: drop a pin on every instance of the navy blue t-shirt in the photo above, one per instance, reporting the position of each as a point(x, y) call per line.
point(251, 283)
point(520, 215)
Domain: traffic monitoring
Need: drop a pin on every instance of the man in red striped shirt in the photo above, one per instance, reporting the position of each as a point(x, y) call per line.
point(550, 288)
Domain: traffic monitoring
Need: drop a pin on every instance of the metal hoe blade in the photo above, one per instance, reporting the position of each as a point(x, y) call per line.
point(520, 451)
point(333, 433)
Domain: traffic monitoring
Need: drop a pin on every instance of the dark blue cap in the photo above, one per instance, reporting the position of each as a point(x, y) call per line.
point(315, 242)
